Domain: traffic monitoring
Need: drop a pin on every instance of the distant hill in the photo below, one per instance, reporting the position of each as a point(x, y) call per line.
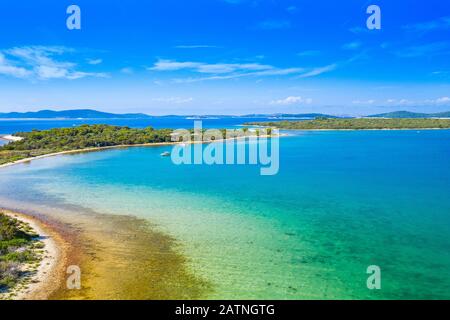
point(253, 115)
point(93, 114)
point(407, 114)
point(291, 115)
point(70, 114)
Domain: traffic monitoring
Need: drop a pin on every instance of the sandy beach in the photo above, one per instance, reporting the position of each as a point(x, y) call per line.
point(48, 275)
point(157, 144)
point(99, 243)
point(9, 137)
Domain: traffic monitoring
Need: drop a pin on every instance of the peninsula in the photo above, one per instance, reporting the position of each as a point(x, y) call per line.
point(28, 145)
point(357, 124)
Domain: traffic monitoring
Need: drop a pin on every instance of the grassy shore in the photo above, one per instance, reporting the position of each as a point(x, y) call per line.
point(120, 257)
point(27, 257)
point(37, 143)
point(18, 246)
point(358, 124)
point(85, 138)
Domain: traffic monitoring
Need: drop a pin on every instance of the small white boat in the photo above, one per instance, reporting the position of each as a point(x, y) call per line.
point(165, 154)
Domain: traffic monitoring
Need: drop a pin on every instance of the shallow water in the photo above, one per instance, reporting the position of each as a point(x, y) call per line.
point(342, 201)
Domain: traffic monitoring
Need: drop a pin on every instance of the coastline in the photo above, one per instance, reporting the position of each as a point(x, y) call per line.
point(48, 276)
point(123, 146)
point(386, 129)
point(114, 253)
point(65, 243)
point(381, 129)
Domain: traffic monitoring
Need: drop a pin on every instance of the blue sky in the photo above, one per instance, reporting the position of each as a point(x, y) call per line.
point(225, 56)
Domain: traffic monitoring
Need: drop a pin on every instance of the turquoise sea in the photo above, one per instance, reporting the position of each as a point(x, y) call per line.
point(342, 201)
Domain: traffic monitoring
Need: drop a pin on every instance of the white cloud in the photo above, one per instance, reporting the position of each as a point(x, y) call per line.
point(8, 69)
point(319, 71)
point(371, 101)
point(407, 102)
point(42, 63)
point(292, 9)
point(224, 77)
point(174, 100)
point(49, 72)
point(443, 100)
point(274, 25)
point(291, 100)
point(274, 72)
point(398, 101)
point(429, 49)
point(352, 45)
point(172, 65)
point(359, 30)
point(224, 71)
point(227, 68)
point(196, 46)
point(438, 24)
point(94, 61)
point(279, 72)
point(440, 72)
point(309, 53)
point(127, 70)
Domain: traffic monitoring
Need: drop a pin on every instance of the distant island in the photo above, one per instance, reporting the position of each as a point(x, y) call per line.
point(71, 114)
point(94, 114)
point(357, 124)
point(408, 114)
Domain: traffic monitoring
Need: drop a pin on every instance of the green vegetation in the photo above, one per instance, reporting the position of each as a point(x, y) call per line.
point(17, 247)
point(408, 114)
point(37, 143)
point(358, 124)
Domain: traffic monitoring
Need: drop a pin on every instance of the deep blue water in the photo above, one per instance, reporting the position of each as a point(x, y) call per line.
point(12, 126)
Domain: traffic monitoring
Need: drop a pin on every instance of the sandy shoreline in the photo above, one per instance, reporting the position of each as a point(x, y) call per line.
point(59, 247)
point(83, 151)
point(9, 137)
point(123, 146)
point(47, 277)
point(119, 256)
